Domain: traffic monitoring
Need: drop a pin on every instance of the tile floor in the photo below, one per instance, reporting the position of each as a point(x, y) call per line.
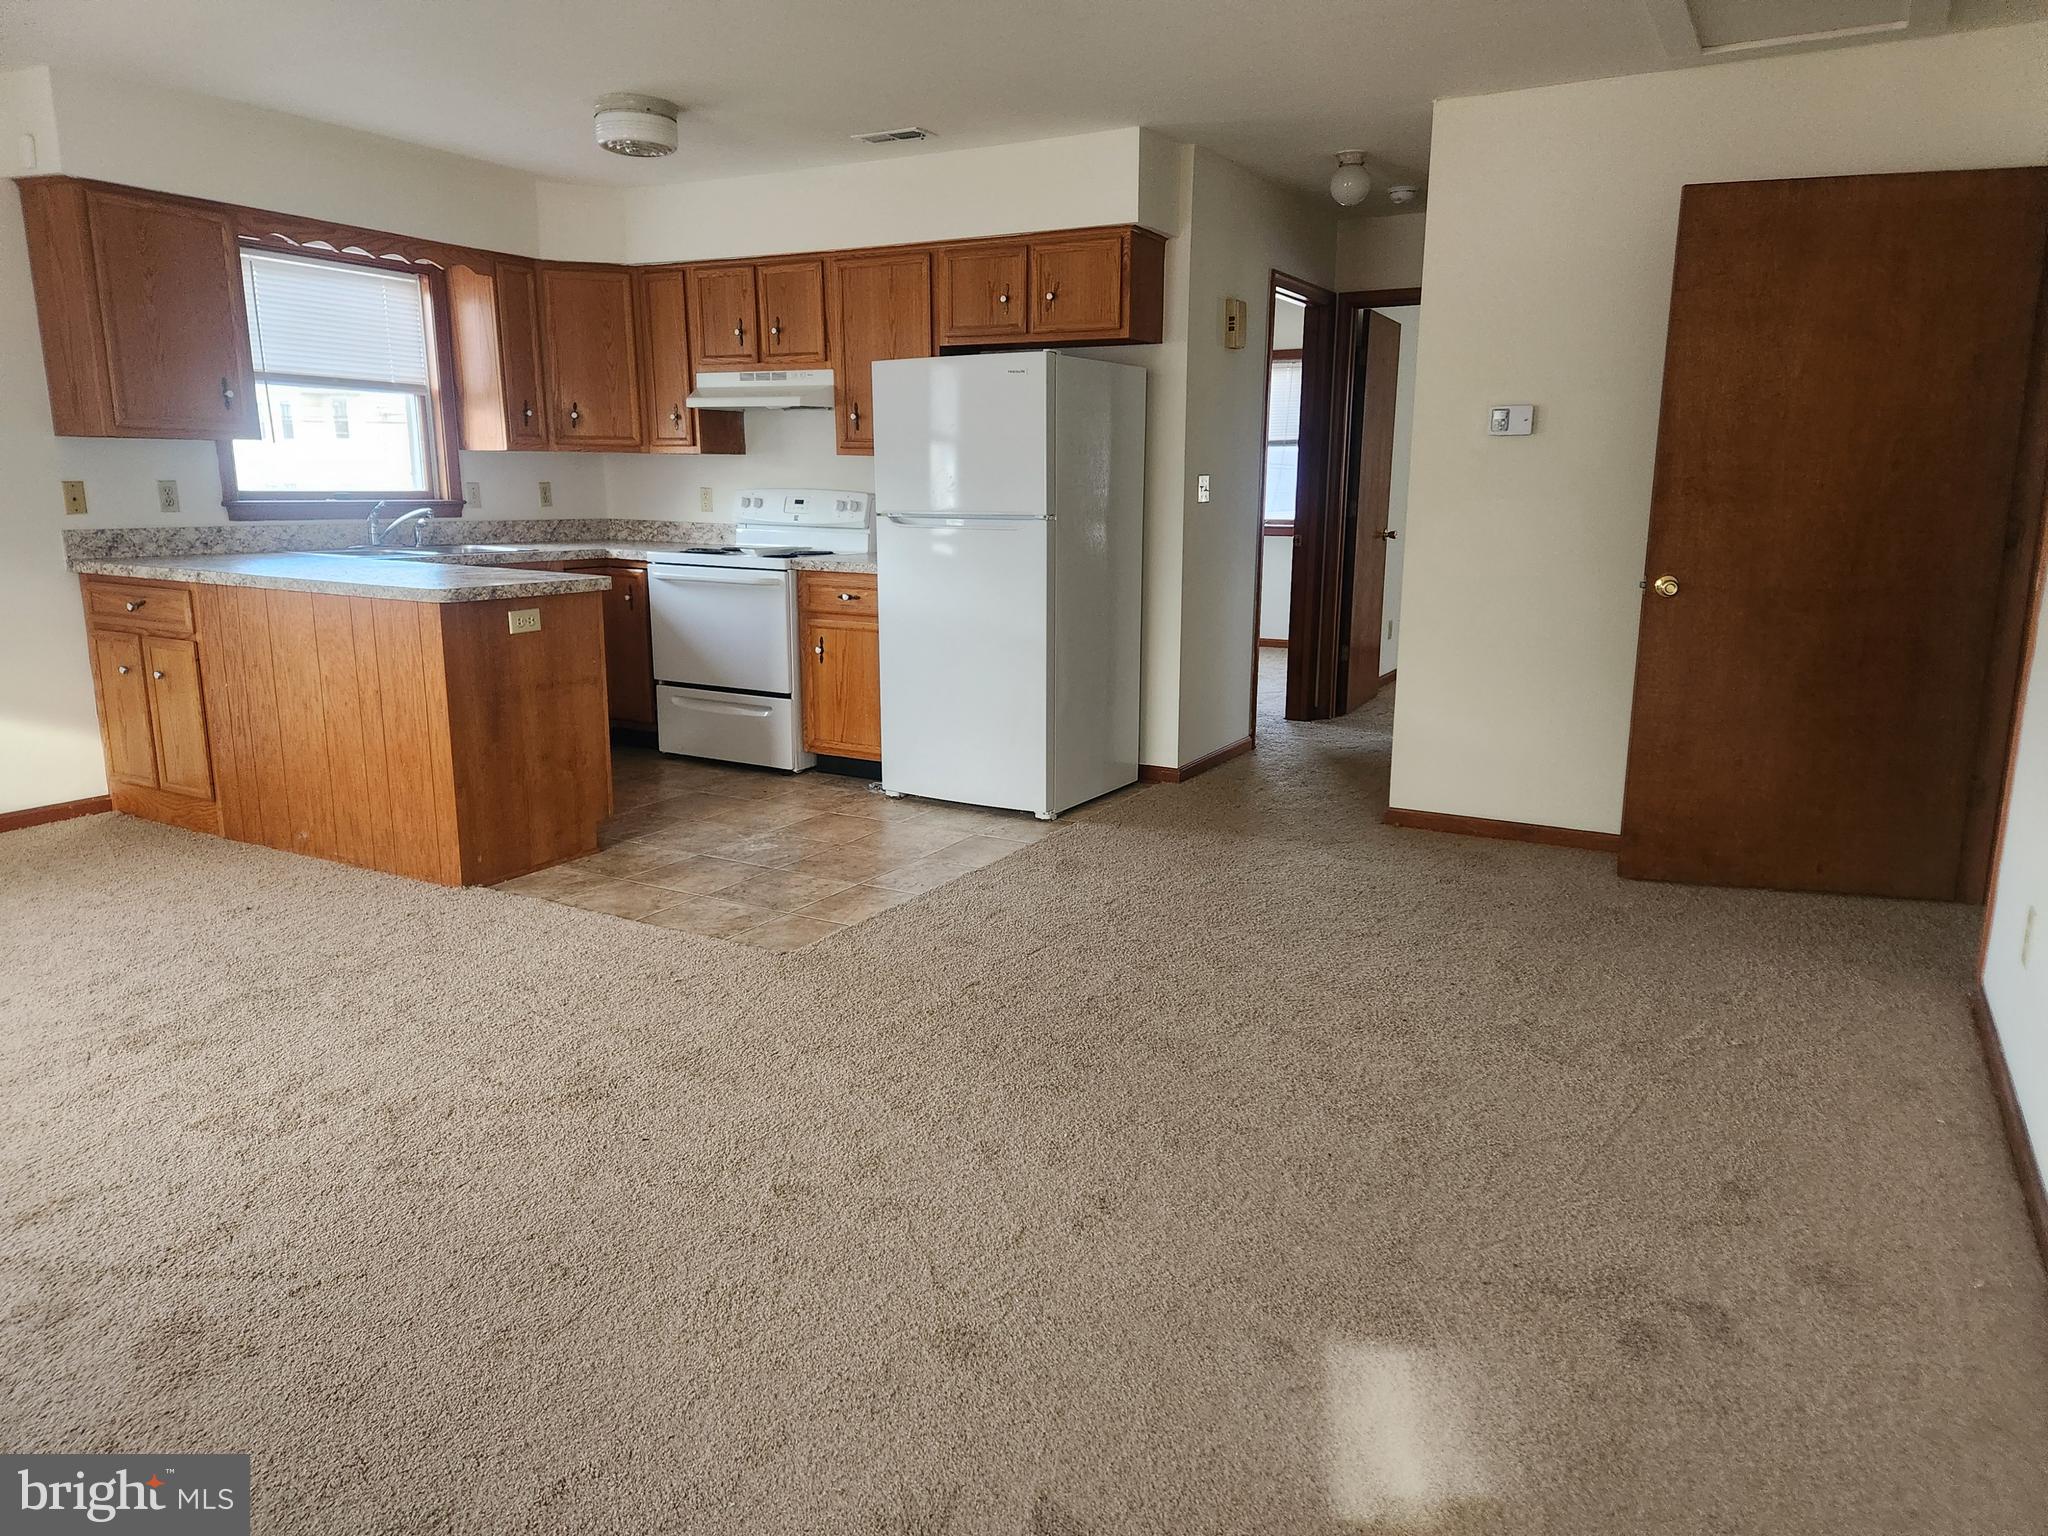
point(765, 858)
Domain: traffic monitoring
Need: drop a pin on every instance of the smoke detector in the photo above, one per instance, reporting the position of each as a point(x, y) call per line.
point(642, 127)
point(893, 136)
point(1401, 197)
point(1350, 182)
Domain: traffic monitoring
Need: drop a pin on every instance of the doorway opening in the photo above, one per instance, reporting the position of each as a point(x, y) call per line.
point(1340, 410)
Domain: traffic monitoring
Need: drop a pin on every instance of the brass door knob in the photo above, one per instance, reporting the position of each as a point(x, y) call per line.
point(1665, 586)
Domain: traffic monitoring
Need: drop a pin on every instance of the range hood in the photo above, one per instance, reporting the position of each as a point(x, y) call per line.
point(763, 389)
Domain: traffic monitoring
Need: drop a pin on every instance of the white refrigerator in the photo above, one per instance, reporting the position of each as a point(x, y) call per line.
point(1010, 504)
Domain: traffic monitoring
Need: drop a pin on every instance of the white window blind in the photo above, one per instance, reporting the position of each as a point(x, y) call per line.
point(330, 320)
point(1283, 403)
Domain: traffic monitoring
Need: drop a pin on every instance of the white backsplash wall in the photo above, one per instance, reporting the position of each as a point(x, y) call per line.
point(784, 449)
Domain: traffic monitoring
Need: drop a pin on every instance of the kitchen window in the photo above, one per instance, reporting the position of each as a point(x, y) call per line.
point(346, 392)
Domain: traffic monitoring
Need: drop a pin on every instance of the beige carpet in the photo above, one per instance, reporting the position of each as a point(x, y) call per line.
point(1226, 1163)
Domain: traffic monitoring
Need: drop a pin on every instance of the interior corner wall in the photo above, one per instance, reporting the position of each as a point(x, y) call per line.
point(1548, 280)
point(1382, 252)
point(2016, 949)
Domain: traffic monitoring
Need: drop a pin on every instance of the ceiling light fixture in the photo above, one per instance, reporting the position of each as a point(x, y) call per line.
point(641, 127)
point(1349, 182)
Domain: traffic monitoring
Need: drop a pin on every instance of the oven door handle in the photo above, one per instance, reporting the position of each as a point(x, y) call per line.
point(718, 707)
point(706, 576)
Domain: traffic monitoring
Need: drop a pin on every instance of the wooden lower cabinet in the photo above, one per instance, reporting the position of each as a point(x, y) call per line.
point(628, 641)
point(417, 738)
point(842, 664)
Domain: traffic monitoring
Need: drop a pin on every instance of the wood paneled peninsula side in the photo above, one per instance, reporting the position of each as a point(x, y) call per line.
point(446, 722)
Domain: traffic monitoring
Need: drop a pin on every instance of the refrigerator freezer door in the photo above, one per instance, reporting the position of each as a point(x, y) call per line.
point(963, 621)
point(965, 436)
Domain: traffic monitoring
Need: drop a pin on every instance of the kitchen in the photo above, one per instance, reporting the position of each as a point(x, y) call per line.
point(767, 640)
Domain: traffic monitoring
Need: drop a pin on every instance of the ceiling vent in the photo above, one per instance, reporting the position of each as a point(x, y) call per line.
point(1697, 30)
point(893, 136)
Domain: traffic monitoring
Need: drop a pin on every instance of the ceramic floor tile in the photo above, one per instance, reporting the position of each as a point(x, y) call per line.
point(827, 828)
point(855, 904)
point(549, 882)
point(696, 875)
point(620, 861)
point(860, 861)
point(913, 839)
point(620, 898)
point(777, 850)
point(711, 917)
point(782, 889)
point(783, 934)
point(946, 865)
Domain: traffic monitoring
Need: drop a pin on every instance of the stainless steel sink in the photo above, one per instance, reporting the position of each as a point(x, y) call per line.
point(378, 552)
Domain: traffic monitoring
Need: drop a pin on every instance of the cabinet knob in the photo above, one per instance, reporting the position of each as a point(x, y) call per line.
point(131, 607)
point(675, 417)
point(739, 334)
point(157, 675)
point(1003, 297)
point(227, 394)
point(529, 413)
point(820, 647)
point(122, 670)
point(775, 330)
point(629, 597)
point(1051, 294)
point(575, 413)
point(853, 415)
point(849, 597)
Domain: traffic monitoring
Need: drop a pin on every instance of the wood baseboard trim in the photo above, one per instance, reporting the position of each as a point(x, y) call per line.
point(1388, 677)
point(2026, 1168)
point(37, 815)
point(1278, 645)
point(1513, 831)
point(1148, 774)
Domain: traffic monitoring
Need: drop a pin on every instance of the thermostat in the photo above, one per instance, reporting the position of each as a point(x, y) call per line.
point(1511, 421)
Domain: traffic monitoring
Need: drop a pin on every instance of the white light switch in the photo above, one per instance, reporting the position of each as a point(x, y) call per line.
point(1201, 487)
point(1511, 421)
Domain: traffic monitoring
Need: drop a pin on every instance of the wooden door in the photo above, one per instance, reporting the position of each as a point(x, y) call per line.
point(169, 280)
point(792, 300)
point(177, 710)
point(722, 311)
point(881, 307)
point(982, 293)
point(1835, 509)
point(123, 681)
point(519, 353)
point(1373, 477)
point(592, 356)
point(842, 688)
point(1077, 286)
point(665, 353)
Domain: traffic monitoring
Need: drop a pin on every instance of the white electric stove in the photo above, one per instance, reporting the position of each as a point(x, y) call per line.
point(725, 626)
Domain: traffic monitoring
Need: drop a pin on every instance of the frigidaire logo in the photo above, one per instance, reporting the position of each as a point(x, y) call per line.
point(181, 1496)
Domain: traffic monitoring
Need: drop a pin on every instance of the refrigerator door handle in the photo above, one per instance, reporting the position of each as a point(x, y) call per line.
point(944, 520)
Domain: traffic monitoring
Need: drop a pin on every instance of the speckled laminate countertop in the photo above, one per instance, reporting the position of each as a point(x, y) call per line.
point(408, 580)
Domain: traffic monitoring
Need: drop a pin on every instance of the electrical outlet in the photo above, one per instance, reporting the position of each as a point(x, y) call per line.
point(704, 499)
point(74, 498)
point(472, 493)
point(2027, 939)
point(167, 497)
point(523, 621)
point(547, 493)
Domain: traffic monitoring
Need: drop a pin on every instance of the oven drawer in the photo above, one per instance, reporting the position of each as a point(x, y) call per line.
point(732, 727)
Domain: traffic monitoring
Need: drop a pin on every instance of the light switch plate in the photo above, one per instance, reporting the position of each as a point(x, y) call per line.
point(523, 621)
point(1201, 487)
point(167, 497)
point(547, 493)
point(1511, 421)
point(704, 499)
point(74, 498)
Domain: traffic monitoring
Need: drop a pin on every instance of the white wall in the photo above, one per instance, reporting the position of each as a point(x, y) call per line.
point(1548, 278)
point(2018, 993)
point(1384, 252)
point(1409, 317)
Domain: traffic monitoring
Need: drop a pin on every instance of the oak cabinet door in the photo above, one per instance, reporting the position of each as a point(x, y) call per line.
point(722, 310)
point(526, 411)
point(169, 279)
point(665, 346)
point(792, 300)
point(587, 331)
point(842, 689)
point(1077, 286)
point(177, 709)
point(882, 307)
point(124, 708)
point(982, 293)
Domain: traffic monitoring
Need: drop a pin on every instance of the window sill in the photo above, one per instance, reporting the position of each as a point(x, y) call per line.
point(246, 509)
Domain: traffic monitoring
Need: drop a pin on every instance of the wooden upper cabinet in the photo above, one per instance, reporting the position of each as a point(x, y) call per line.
point(792, 313)
point(495, 318)
point(589, 342)
point(723, 328)
point(1079, 286)
point(982, 293)
point(1086, 285)
point(140, 302)
point(672, 427)
point(881, 307)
